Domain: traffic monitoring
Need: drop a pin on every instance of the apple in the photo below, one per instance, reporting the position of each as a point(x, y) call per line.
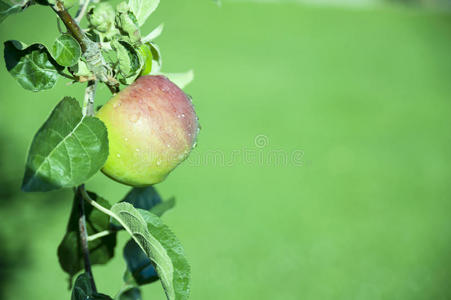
point(152, 127)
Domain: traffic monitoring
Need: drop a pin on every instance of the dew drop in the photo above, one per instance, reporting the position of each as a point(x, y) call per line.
point(194, 145)
point(118, 155)
point(158, 162)
point(117, 104)
point(169, 146)
point(126, 139)
point(137, 150)
point(183, 115)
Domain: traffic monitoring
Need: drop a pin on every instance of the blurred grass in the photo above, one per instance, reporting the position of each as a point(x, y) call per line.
point(364, 94)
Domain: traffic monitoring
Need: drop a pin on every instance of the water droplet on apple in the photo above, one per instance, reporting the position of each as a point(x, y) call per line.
point(137, 150)
point(117, 104)
point(158, 162)
point(118, 155)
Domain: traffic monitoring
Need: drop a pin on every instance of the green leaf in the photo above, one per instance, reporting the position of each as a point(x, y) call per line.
point(101, 250)
point(174, 249)
point(157, 61)
point(153, 34)
point(66, 50)
point(66, 151)
point(101, 17)
point(160, 245)
point(144, 198)
point(9, 7)
point(110, 57)
point(140, 270)
point(131, 293)
point(81, 69)
point(31, 66)
point(130, 61)
point(180, 79)
point(163, 207)
point(84, 291)
point(147, 57)
point(142, 9)
point(127, 23)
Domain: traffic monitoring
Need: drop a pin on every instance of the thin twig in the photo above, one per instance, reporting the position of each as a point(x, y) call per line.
point(82, 11)
point(84, 238)
point(90, 93)
point(88, 110)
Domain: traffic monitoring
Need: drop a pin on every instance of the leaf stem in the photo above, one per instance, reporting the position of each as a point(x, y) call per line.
point(86, 196)
point(99, 235)
point(84, 237)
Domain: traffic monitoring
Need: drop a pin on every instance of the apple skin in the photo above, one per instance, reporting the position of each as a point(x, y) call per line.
point(152, 127)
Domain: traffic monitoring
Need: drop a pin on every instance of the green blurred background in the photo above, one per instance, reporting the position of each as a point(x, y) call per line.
point(323, 164)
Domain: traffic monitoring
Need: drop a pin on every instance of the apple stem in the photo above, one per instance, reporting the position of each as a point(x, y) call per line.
point(84, 236)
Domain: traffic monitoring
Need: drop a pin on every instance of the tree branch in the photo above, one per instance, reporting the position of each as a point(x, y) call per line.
point(84, 237)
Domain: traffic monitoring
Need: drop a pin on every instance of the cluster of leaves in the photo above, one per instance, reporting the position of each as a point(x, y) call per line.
point(126, 54)
point(153, 252)
point(71, 146)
